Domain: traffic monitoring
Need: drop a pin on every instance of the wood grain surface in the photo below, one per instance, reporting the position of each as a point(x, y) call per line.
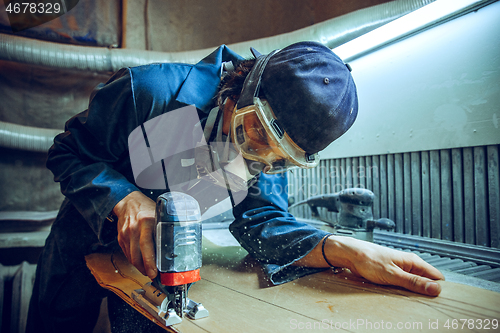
point(241, 299)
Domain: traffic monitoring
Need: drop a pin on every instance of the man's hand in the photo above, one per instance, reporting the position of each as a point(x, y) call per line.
point(378, 264)
point(136, 222)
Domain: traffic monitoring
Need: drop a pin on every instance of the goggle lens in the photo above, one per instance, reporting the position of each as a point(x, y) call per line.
point(259, 137)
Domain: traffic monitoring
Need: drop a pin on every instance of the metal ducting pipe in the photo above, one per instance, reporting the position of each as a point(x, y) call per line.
point(26, 138)
point(339, 30)
point(331, 33)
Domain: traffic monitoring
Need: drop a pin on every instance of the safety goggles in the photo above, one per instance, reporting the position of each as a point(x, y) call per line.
point(259, 137)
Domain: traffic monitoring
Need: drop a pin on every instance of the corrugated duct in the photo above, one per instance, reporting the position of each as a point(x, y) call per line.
point(331, 33)
point(26, 137)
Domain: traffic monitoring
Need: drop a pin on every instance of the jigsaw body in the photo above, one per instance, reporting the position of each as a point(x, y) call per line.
point(178, 259)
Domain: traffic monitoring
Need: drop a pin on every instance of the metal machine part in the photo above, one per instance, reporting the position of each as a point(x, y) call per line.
point(355, 212)
point(170, 305)
point(178, 258)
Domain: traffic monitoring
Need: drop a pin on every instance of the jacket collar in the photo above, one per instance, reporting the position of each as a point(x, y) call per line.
point(202, 81)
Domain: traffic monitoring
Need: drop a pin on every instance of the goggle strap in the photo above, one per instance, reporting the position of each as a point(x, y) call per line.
point(209, 125)
point(310, 157)
point(251, 85)
point(277, 128)
point(225, 154)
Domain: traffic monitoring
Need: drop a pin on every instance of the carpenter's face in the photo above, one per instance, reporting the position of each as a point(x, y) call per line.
point(260, 142)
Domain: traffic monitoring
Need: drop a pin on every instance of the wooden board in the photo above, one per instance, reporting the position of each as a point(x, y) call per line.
point(240, 299)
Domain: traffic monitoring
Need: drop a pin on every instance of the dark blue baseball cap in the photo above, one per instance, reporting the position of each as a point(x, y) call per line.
point(310, 90)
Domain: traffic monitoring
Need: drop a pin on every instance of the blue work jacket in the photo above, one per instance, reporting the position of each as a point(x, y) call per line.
point(92, 163)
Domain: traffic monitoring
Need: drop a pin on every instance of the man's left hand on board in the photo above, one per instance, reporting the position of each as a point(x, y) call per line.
point(378, 264)
point(387, 266)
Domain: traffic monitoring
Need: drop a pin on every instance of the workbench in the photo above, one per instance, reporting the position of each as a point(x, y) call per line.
point(240, 298)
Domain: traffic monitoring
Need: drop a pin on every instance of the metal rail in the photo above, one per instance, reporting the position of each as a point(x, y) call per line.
point(478, 254)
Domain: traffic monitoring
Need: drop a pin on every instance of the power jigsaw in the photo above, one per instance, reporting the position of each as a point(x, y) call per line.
point(178, 259)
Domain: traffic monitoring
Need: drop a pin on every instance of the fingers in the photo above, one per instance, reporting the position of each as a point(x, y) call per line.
point(420, 267)
point(418, 284)
point(135, 250)
point(142, 251)
point(135, 231)
point(418, 276)
point(135, 237)
point(148, 252)
point(123, 237)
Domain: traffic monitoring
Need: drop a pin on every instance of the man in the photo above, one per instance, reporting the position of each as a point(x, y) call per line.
point(277, 113)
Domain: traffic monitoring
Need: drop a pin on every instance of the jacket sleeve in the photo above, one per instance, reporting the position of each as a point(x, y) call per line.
point(86, 159)
point(90, 159)
point(272, 235)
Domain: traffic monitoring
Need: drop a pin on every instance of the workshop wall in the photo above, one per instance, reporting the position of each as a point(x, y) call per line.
point(426, 140)
point(170, 26)
point(434, 89)
point(447, 191)
point(36, 96)
point(449, 194)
